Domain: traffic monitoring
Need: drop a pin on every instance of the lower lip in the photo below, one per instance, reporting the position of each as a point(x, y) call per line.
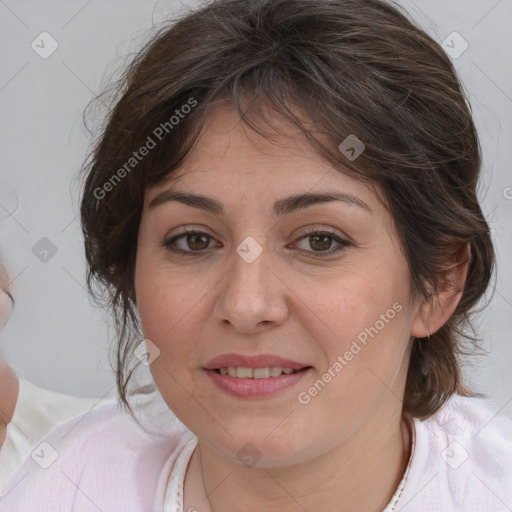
point(255, 388)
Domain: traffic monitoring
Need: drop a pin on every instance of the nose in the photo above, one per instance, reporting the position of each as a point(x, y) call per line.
point(253, 296)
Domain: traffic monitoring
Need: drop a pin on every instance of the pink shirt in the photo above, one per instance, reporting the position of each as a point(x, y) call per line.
point(104, 461)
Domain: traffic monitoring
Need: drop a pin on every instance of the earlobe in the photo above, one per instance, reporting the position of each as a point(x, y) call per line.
point(440, 306)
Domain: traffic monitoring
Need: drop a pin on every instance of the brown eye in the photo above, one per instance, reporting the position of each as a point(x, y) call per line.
point(320, 242)
point(323, 243)
point(198, 241)
point(188, 243)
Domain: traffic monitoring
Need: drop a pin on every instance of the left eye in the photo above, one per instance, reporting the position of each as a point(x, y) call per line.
point(321, 242)
point(197, 241)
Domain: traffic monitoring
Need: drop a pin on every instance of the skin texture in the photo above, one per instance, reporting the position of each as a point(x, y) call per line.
point(348, 447)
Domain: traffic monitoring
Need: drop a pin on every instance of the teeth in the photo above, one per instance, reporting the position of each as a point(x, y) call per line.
point(275, 371)
point(261, 373)
point(242, 372)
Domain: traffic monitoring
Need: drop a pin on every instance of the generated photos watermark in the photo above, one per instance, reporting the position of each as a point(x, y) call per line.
point(361, 341)
point(157, 135)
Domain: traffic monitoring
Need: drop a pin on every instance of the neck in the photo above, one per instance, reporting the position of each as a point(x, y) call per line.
point(360, 473)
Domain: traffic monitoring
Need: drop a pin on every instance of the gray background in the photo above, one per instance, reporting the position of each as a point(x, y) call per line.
point(55, 337)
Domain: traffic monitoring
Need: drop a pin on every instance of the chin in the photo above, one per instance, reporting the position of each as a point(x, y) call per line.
point(251, 448)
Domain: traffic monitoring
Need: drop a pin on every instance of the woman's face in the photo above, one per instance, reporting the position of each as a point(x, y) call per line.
point(256, 281)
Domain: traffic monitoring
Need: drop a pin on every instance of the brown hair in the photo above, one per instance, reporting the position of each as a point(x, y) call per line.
point(333, 68)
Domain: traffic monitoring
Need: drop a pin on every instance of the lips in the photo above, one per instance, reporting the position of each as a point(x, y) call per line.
point(252, 388)
point(259, 361)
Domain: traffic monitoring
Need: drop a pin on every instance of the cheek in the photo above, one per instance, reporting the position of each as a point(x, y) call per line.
point(172, 310)
point(354, 301)
point(167, 308)
point(364, 320)
point(172, 317)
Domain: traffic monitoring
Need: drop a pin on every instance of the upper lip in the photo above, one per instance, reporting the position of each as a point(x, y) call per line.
point(259, 361)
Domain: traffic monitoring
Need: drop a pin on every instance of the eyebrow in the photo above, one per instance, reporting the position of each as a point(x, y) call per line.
point(281, 207)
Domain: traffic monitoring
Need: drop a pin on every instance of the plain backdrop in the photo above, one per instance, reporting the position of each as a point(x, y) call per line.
point(55, 337)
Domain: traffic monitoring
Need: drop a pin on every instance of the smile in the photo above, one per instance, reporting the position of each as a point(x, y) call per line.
point(245, 382)
point(244, 372)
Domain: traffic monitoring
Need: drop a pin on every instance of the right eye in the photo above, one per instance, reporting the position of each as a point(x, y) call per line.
point(192, 243)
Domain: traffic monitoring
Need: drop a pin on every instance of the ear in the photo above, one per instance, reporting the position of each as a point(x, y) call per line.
point(437, 310)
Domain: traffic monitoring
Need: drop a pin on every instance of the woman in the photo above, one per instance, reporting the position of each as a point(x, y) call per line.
point(283, 205)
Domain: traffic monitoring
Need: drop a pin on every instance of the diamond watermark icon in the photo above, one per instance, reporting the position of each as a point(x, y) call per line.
point(249, 250)
point(352, 147)
point(455, 45)
point(44, 45)
point(44, 250)
point(249, 455)
point(454, 455)
point(146, 352)
point(44, 455)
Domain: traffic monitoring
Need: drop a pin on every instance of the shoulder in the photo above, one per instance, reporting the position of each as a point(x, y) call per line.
point(462, 458)
point(38, 410)
point(103, 459)
point(475, 433)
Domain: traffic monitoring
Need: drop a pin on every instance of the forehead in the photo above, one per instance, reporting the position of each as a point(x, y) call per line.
point(230, 160)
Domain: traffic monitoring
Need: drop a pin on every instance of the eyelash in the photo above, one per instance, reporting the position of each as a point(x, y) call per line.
point(342, 243)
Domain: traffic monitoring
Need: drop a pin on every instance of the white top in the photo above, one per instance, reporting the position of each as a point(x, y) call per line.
point(173, 501)
point(105, 460)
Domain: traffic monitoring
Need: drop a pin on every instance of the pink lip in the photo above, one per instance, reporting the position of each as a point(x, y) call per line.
point(260, 361)
point(255, 388)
